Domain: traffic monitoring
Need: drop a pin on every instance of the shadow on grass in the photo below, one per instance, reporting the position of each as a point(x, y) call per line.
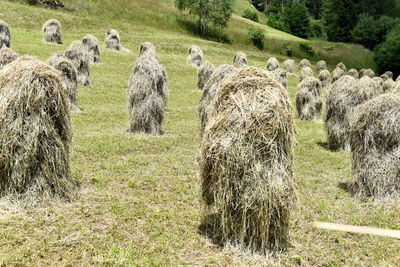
point(324, 145)
point(347, 186)
point(209, 228)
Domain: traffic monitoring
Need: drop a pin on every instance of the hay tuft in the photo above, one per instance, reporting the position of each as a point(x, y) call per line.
point(367, 72)
point(240, 60)
point(79, 56)
point(246, 162)
point(147, 95)
point(325, 79)
point(375, 139)
point(337, 74)
point(353, 73)
point(341, 65)
point(210, 90)
point(272, 64)
point(279, 75)
point(7, 55)
point(195, 57)
point(388, 86)
point(69, 76)
point(389, 74)
point(308, 99)
point(52, 32)
point(304, 73)
point(304, 63)
point(5, 36)
point(204, 73)
point(91, 44)
point(147, 47)
point(289, 65)
point(36, 133)
point(321, 65)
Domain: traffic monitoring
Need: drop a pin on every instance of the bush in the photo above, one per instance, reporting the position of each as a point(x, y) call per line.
point(276, 24)
point(307, 48)
point(250, 14)
point(296, 18)
point(317, 29)
point(49, 3)
point(256, 36)
point(388, 53)
point(288, 50)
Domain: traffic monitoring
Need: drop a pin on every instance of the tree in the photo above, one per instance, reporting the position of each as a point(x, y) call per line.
point(388, 53)
point(341, 16)
point(217, 12)
point(315, 7)
point(296, 18)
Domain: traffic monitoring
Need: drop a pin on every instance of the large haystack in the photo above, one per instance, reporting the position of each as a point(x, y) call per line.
point(147, 95)
point(279, 75)
point(345, 95)
point(304, 63)
point(5, 36)
point(210, 89)
point(308, 99)
point(304, 73)
point(389, 74)
point(68, 74)
point(92, 46)
point(195, 56)
point(204, 73)
point(240, 60)
point(325, 79)
point(246, 162)
point(341, 65)
point(7, 55)
point(147, 47)
point(375, 140)
point(367, 72)
point(79, 56)
point(337, 74)
point(272, 64)
point(388, 86)
point(321, 65)
point(36, 133)
point(353, 73)
point(52, 32)
point(289, 65)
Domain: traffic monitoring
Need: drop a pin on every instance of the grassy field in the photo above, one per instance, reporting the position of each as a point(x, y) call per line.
point(139, 201)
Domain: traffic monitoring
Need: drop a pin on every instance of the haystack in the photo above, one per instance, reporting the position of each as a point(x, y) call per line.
point(7, 55)
point(325, 79)
point(113, 41)
point(389, 74)
point(321, 65)
point(147, 47)
point(79, 56)
point(246, 162)
point(337, 74)
point(375, 139)
point(304, 73)
point(147, 95)
point(304, 63)
point(204, 74)
point(195, 57)
point(384, 77)
point(367, 72)
point(371, 85)
point(341, 65)
point(398, 78)
point(92, 46)
point(289, 65)
point(52, 32)
point(308, 99)
point(379, 85)
point(5, 36)
point(68, 74)
point(396, 87)
point(345, 95)
point(240, 60)
point(353, 73)
point(36, 133)
point(272, 64)
point(388, 86)
point(210, 89)
point(279, 75)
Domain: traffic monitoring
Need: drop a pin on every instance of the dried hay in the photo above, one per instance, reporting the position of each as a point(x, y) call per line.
point(384, 77)
point(204, 73)
point(69, 76)
point(337, 74)
point(210, 90)
point(195, 57)
point(304, 73)
point(353, 73)
point(308, 99)
point(147, 47)
point(279, 75)
point(272, 64)
point(388, 86)
point(304, 63)
point(147, 96)
point(91, 44)
point(321, 65)
point(5, 36)
point(36, 133)
point(379, 85)
point(341, 65)
point(396, 87)
point(389, 74)
point(52, 32)
point(79, 56)
point(240, 60)
point(246, 162)
point(113, 41)
point(375, 139)
point(367, 72)
point(398, 78)
point(325, 79)
point(7, 55)
point(289, 65)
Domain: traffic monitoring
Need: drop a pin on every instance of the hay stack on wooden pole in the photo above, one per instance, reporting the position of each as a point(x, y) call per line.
point(304, 63)
point(240, 60)
point(367, 72)
point(388, 86)
point(384, 77)
point(195, 56)
point(272, 64)
point(5, 35)
point(79, 56)
point(353, 73)
point(308, 99)
point(304, 73)
point(389, 74)
point(113, 41)
point(36, 133)
point(147, 47)
point(246, 162)
point(337, 74)
point(204, 73)
point(7, 55)
point(379, 85)
point(52, 32)
point(92, 46)
point(147, 95)
point(375, 139)
point(279, 75)
point(341, 65)
point(69, 76)
point(289, 65)
point(321, 65)
point(325, 79)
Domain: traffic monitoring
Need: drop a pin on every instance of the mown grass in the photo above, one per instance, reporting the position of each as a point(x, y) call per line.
point(139, 201)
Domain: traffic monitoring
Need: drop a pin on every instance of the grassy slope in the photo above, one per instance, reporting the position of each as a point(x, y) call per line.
point(139, 201)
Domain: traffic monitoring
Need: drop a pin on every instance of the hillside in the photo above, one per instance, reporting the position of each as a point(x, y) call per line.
point(139, 200)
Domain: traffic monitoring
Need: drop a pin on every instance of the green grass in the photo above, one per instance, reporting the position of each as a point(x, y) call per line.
point(139, 201)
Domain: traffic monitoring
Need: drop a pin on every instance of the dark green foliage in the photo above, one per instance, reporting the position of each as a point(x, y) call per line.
point(214, 34)
point(317, 29)
point(376, 8)
point(288, 49)
point(250, 14)
point(315, 8)
point(341, 17)
point(49, 3)
point(307, 48)
point(387, 54)
point(276, 24)
point(296, 18)
point(259, 4)
point(256, 36)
